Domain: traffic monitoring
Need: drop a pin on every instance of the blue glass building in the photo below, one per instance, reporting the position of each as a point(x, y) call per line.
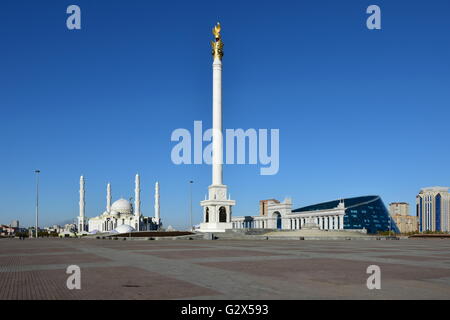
point(367, 212)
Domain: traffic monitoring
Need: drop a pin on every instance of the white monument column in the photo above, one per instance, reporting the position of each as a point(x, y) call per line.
point(157, 202)
point(81, 217)
point(217, 204)
point(137, 201)
point(108, 198)
point(217, 139)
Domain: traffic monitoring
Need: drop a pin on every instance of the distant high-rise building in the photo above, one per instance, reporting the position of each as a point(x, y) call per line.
point(15, 224)
point(433, 209)
point(399, 212)
point(399, 208)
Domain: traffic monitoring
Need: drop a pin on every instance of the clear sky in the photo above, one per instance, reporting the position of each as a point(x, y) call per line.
point(359, 111)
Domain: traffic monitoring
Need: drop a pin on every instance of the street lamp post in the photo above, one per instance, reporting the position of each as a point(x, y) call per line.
point(37, 200)
point(190, 210)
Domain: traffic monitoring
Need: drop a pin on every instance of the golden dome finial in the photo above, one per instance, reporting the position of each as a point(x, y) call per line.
point(217, 46)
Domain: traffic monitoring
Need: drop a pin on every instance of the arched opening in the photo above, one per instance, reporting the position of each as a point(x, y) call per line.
point(207, 215)
point(222, 214)
point(277, 216)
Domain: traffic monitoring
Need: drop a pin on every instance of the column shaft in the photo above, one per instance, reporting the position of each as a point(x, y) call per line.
point(217, 156)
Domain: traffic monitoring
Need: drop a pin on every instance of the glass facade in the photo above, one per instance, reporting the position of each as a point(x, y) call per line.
point(367, 212)
point(438, 212)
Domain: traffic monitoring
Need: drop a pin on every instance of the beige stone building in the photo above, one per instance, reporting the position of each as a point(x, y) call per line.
point(433, 209)
point(399, 212)
point(263, 205)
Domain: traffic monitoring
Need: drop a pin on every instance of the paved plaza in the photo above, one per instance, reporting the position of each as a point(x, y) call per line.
point(224, 269)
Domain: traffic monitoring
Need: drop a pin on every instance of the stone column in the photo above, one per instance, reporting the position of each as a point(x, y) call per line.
point(217, 147)
point(341, 222)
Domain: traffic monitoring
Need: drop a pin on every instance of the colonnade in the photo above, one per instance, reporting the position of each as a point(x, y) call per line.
point(332, 222)
point(335, 222)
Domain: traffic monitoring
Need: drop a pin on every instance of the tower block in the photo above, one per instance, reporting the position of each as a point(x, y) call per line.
point(217, 208)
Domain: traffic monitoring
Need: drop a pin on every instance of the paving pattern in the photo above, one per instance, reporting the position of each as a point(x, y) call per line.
point(224, 269)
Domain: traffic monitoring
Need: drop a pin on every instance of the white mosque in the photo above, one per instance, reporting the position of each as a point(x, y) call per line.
point(120, 216)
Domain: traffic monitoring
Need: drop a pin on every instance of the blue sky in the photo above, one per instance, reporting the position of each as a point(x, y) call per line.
point(359, 111)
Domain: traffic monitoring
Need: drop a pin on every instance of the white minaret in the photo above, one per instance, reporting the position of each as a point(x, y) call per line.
point(217, 209)
point(81, 217)
point(108, 198)
point(137, 196)
point(137, 202)
point(157, 202)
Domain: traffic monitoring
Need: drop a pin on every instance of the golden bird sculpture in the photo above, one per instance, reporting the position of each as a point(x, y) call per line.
point(216, 30)
point(217, 46)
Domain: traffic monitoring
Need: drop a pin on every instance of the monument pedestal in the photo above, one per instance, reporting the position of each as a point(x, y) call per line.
point(215, 226)
point(216, 210)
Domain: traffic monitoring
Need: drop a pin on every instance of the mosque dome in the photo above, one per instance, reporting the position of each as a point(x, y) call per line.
point(122, 206)
point(124, 228)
